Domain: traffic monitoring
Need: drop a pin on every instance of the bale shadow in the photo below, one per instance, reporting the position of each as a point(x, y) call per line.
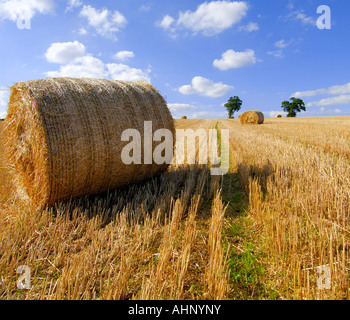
point(253, 172)
point(154, 196)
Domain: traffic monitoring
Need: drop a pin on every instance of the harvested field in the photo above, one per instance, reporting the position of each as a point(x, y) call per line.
point(280, 214)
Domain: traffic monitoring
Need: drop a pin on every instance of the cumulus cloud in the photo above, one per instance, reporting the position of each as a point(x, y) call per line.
point(82, 31)
point(75, 62)
point(24, 9)
point(175, 107)
point(119, 71)
point(210, 18)
point(123, 55)
point(4, 97)
point(166, 22)
point(209, 115)
point(282, 44)
point(338, 100)
point(64, 52)
point(85, 67)
point(250, 27)
point(340, 95)
point(145, 8)
point(276, 53)
point(299, 15)
point(333, 90)
point(106, 22)
point(205, 87)
point(233, 60)
point(73, 4)
point(180, 109)
point(273, 114)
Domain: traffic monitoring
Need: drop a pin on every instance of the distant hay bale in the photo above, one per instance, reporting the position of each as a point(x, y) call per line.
point(63, 135)
point(183, 117)
point(278, 116)
point(252, 117)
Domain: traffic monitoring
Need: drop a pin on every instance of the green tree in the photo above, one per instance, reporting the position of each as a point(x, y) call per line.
point(233, 105)
point(293, 106)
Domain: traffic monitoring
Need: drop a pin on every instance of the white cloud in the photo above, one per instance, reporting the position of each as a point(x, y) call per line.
point(333, 90)
point(123, 55)
point(205, 87)
point(119, 71)
point(82, 31)
point(65, 52)
point(299, 15)
point(210, 18)
point(4, 97)
point(24, 9)
point(75, 62)
point(85, 67)
point(276, 53)
point(338, 100)
point(106, 22)
point(73, 4)
point(273, 114)
point(209, 115)
point(166, 22)
point(233, 60)
point(324, 110)
point(180, 107)
point(91, 67)
point(250, 27)
point(282, 44)
point(290, 5)
point(145, 8)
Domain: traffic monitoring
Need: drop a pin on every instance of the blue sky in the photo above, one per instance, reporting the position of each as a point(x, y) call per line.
point(197, 54)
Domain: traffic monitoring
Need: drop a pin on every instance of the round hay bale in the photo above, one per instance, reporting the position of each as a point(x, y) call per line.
point(63, 135)
point(183, 117)
point(252, 117)
point(278, 116)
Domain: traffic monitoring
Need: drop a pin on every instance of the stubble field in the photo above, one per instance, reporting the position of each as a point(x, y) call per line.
point(275, 227)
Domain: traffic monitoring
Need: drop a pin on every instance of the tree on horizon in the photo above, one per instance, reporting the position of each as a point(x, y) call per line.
point(233, 105)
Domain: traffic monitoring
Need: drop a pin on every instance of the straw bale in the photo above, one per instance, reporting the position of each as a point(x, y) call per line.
point(183, 117)
point(278, 116)
point(63, 135)
point(252, 117)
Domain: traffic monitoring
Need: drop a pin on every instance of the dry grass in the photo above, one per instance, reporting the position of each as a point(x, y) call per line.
point(299, 194)
point(283, 212)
